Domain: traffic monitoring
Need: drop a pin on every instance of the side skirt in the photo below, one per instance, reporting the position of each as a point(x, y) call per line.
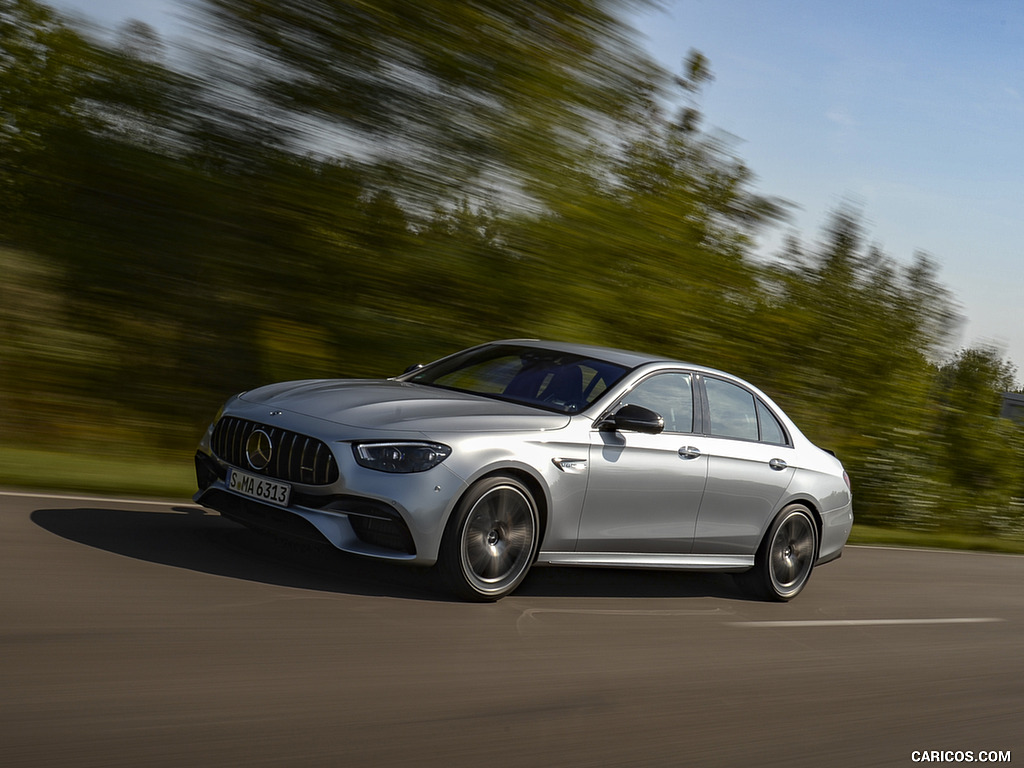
point(645, 560)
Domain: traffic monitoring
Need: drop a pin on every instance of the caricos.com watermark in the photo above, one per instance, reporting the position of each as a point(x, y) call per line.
point(960, 756)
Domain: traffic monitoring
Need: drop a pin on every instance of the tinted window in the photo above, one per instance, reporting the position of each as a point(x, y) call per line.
point(771, 430)
point(551, 379)
point(668, 394)
point(732, 410)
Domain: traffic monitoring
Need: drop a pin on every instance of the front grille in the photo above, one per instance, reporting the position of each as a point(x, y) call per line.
point(295, 458)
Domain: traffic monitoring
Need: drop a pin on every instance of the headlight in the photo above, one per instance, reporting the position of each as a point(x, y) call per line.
point(400, 456)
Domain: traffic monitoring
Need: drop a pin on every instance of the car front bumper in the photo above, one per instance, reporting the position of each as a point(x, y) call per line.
point(400, 518)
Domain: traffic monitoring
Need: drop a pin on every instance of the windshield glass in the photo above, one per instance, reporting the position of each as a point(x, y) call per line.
point(559, 381)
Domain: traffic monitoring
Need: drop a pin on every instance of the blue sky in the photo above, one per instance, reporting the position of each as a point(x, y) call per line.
point(911, 109)
point(161, 14)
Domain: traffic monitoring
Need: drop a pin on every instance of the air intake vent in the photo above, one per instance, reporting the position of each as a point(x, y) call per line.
point(294, 458)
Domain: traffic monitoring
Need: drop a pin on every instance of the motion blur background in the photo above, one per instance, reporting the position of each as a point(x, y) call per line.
point(321, 188)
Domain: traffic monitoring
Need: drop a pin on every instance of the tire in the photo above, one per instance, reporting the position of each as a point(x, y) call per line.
point(785, 559)
point(491, 539)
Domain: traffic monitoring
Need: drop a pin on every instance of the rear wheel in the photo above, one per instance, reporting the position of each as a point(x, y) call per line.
point(491, 539)
point(786, 556)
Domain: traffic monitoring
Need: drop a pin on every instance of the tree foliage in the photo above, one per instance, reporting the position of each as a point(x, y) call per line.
point(342, 189)
point(452, 92)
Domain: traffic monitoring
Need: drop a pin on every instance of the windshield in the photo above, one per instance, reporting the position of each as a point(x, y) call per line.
point(559, 381)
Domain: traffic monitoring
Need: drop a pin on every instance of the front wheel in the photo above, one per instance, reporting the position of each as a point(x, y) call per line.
point(786, 556)
point(491, 540)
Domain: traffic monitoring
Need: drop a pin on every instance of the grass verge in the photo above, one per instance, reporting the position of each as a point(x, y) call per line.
point(169, 476)
point(890, 537)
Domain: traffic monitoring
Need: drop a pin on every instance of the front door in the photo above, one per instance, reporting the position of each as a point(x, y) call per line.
point(644, 491)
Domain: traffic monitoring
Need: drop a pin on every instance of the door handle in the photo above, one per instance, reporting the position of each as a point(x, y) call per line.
point(777, 464)
point(689, 452)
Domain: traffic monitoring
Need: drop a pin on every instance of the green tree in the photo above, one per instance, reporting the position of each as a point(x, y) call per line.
point(41, 80)
point(342, 188)
point(650, 243)
point(456, 93)
point(979, 456)
point(847, 329)
point(845, 342)
point(93, 185)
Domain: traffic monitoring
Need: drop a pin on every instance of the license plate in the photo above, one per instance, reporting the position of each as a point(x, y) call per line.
point(260, 488)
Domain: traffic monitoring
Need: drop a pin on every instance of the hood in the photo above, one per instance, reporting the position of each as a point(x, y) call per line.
point(398, 405)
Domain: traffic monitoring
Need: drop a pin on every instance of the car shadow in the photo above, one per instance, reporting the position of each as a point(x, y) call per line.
point(199, 540)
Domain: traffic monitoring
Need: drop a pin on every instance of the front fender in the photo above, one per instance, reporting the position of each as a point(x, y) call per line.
point(560, 493)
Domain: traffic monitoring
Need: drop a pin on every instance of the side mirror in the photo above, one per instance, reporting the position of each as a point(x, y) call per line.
point(413, 367)
point(634, 418)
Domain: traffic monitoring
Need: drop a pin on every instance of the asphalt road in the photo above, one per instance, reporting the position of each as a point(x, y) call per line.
point(143, 634)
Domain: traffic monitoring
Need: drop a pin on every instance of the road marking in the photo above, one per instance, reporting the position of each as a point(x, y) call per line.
point(61, 497)
point(864, 622)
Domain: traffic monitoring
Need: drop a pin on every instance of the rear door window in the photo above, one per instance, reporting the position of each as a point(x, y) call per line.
point(771, 429)
point(732, 410)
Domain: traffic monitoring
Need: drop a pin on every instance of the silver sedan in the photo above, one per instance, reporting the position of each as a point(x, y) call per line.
point(518, 453)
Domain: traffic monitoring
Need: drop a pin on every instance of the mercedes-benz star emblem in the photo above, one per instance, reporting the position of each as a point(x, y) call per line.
point(259, 449)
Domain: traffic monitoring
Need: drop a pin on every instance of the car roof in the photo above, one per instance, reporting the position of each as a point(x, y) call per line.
point(624, 357)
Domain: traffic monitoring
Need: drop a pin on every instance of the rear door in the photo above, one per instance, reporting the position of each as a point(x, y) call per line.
point(749, 459)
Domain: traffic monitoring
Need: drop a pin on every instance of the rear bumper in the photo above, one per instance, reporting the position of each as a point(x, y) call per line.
point(835, 531)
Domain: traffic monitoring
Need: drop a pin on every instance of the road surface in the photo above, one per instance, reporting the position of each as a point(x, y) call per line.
point(156, 634)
